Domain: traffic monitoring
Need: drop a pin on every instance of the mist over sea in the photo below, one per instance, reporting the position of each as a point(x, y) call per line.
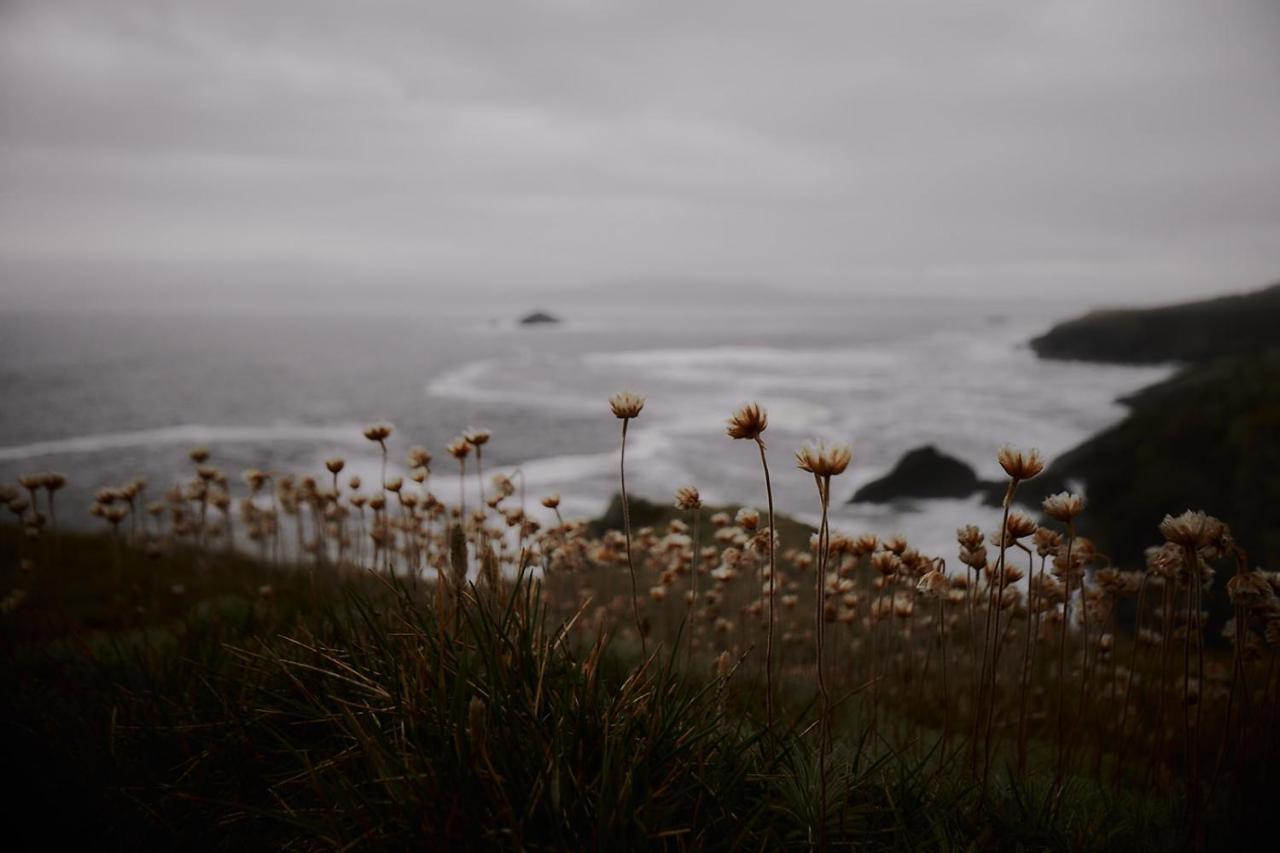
point(107, 397)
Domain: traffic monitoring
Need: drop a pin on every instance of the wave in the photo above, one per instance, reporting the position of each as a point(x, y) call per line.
point(509, 382)
point(189, 434)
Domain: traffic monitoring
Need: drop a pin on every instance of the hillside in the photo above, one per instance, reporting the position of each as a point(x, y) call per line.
point(1208, 438)
point(1188, 332)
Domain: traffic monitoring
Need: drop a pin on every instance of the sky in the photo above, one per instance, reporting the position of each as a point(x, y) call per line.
point(1105, 150)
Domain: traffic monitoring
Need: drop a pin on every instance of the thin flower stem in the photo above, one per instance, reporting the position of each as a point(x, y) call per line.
point(626, 524)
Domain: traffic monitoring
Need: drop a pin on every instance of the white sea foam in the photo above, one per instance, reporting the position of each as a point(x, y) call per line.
point(187, 434)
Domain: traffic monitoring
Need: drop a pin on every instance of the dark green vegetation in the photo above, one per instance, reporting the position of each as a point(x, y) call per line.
point(335, 713)
point(1207, 438)
point(1193, 331)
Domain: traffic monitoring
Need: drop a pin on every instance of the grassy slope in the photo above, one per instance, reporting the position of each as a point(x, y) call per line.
point(1193, 331)
point(322, 716)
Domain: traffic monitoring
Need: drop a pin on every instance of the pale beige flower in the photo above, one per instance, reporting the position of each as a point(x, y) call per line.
point(626, 405)
point(823, 460)
point(748, 422)
point(1020, 464)
point(1063, 506)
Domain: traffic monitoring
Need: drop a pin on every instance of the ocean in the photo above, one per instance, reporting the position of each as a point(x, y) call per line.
point(108, 396)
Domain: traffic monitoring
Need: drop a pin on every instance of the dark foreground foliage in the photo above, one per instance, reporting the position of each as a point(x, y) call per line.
point(355, 713)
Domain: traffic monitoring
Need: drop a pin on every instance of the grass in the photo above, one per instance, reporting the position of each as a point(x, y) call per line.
point(343, 711)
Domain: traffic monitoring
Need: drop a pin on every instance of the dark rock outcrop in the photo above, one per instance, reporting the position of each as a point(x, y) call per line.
point(921, 473)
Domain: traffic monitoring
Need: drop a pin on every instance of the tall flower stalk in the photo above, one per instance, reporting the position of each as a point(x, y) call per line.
point(823, 462)
point(626, 406)
point(749, 423)
point(380, 433)
point(1064, 507)
point(688, 499)
point(1018, 465)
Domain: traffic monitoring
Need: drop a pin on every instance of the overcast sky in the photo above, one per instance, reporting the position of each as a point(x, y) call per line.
point(1127, 151)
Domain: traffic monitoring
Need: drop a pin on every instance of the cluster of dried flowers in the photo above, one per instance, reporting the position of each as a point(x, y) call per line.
point(1031, 636)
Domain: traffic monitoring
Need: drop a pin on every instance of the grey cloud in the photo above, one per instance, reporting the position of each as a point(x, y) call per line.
point(1124, 150)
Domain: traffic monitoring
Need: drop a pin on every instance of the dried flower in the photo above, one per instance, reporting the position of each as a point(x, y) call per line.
point(933, 585)
point(1020, 465)
point(1063, 506)
point(687, 498)
point(1249, 589)
point(748, 422)
point(626, 405)
point(1020, 526)
point(1187, 530)
point(824, 460)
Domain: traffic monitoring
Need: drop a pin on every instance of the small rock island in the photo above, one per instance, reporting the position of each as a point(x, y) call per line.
point(924, 472)
point(539, 318)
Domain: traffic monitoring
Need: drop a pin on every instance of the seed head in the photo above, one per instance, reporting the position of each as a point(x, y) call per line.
point(1187, 530)
point(419, 457)
point(687, 497)
point(378, 432)
point(1063, 506)
point(1047, 541)
point(335, 465)
point(198, 455)
point(1018, 464)
point(1249, 589)
point(969, 537)
point(552, 500)
point(626, 405)
point(933, 585)
point(476, 437)
point(823, 460)
point(459, 448)
point(1020, 526)
point(748, 422)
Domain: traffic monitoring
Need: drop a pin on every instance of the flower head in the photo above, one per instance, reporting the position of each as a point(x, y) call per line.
point(1063, 506)
point(626, 405)
point(378, 432)
point(476, 437)
point(748, 422)
point(687, 497)
point(823, 460)
point(1187, 530)
point(1019, 526)
point(933, 585)
point(1249, 589)
point(1019, 464)
point(459, 448)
